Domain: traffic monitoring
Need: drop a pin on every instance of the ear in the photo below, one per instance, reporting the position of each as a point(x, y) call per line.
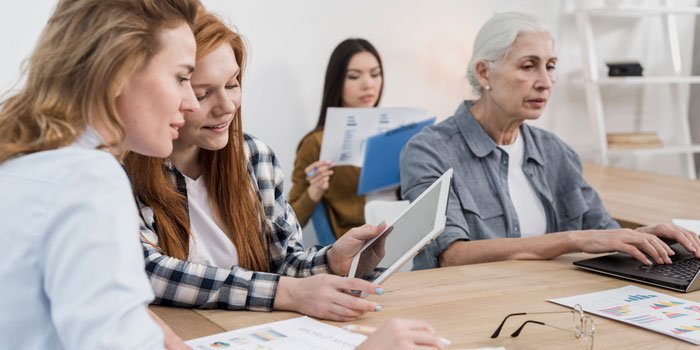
point(482, 73)
point(118, 89)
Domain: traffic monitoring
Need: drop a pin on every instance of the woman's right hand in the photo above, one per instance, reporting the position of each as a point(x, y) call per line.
point(401, 334)
point(318, 174)
point(326, 296)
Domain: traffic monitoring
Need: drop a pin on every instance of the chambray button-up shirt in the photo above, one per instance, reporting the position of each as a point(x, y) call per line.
point(479, 205)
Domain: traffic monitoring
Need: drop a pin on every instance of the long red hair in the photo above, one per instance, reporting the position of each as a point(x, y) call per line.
point(229, 186)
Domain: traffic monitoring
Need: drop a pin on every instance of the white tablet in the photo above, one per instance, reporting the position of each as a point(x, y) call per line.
point(415, 228)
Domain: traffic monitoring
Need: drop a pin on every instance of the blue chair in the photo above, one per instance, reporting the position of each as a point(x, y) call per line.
point(322, 226)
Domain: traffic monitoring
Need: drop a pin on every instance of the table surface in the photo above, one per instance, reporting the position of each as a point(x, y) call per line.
point(637, 198)
point(466, 303)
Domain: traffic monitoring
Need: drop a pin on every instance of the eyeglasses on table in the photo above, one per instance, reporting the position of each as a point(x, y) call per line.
point(583, 324)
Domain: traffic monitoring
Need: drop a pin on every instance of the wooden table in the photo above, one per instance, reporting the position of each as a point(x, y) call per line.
point(466, 303)
point(637, 198)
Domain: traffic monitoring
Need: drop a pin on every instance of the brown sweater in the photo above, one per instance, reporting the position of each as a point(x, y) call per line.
point(344, 207)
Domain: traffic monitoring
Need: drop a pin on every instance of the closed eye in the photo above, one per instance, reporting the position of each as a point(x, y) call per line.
point(202, 97)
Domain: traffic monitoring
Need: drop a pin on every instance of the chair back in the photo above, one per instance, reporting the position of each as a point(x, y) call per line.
point(322, 226)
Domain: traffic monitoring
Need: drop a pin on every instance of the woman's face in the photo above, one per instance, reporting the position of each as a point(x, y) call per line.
point(521, 83)
point(152, 102)
point(363, 81)
point(215, 84)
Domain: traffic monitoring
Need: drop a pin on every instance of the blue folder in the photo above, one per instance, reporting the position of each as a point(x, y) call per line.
point(380, 169)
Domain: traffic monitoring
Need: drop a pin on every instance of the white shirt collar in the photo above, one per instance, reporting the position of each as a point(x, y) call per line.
point(89, 139)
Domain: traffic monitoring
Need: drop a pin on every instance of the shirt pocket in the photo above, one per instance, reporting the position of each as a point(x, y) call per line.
point(483, 213)
point(571, 206)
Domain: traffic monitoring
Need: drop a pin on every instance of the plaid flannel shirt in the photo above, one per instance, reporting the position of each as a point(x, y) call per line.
point(185, 284)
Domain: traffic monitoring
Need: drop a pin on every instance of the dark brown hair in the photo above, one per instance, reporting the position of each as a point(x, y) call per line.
point(336, 71)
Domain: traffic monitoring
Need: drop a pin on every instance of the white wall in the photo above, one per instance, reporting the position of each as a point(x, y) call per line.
point(425, 47)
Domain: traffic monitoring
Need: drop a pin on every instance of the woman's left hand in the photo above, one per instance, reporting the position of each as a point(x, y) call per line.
point(348, 245)
point(689, 240)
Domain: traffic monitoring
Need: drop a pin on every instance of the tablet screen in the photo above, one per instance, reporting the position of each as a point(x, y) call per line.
point(401, 237)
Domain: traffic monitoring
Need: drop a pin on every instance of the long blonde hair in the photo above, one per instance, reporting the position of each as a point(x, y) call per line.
point(84, 54)
point(230, 189)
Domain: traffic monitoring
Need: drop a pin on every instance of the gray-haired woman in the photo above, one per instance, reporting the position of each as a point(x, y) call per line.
point(518, 191)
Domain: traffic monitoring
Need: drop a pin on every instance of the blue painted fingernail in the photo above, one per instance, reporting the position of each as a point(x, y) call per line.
point(311, 173)
point(377, 307)
point(379, 290)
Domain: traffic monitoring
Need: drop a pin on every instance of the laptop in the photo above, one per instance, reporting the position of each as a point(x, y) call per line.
point(681, 275)
point(406, 236)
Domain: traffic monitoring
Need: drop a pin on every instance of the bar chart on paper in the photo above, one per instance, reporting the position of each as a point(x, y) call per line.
point(643, 308)
point(636, 297)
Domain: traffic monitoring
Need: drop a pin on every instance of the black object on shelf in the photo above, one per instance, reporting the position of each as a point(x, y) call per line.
point(624, 69)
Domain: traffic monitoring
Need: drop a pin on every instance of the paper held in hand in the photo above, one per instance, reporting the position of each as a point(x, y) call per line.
point(347, 129)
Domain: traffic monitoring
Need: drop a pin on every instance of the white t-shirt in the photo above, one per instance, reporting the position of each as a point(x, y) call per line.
point(209, 245)
point(528, 205)
point(72, 267)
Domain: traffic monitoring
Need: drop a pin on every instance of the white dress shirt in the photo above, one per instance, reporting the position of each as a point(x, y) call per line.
point(71, 265)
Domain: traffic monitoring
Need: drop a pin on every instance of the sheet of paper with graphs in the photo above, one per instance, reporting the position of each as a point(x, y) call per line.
point(347, 129)
point(301, 333)
point(676, 317)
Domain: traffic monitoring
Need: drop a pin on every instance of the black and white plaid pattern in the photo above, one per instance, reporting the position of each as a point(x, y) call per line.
point(184, 284)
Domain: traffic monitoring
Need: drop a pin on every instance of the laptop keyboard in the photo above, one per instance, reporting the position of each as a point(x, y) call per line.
point(685, 269)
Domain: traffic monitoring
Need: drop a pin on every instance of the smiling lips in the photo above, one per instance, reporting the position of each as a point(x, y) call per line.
point(218, 127)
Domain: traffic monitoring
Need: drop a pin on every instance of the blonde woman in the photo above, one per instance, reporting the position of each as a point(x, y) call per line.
point(105, 77)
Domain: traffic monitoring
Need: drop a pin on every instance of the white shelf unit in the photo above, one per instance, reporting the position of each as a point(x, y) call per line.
point(592, 80)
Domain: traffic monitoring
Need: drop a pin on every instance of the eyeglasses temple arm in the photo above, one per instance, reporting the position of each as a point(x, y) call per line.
point(517, 331)
point(498, 330)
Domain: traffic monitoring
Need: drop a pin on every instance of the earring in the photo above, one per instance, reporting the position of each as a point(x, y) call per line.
point(487, 87)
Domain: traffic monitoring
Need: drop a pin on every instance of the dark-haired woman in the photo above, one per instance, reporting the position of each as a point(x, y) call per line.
point(354, 78)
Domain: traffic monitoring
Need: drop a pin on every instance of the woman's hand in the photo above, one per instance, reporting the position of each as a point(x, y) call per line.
point(633, 242)
point(398, 334)
point(326, 296)
point(348, 245)
point(318, 174)
point(688, 239)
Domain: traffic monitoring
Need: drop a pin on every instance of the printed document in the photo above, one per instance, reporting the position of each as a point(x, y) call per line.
point(347, 129)
point(301, 333)
point(644, 308)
